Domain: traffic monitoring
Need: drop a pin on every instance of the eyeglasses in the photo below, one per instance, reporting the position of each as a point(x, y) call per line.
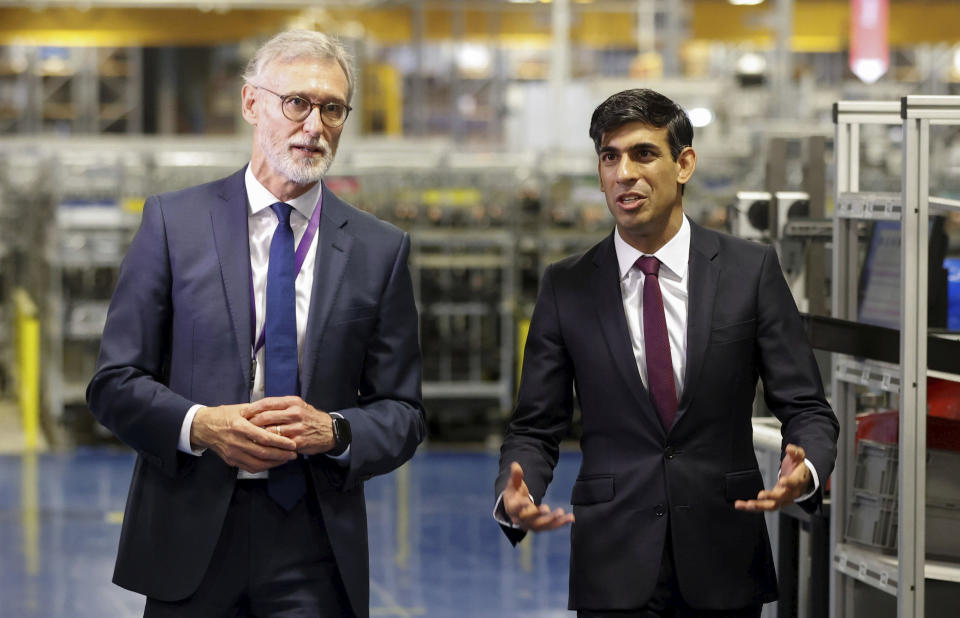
point(297, 108)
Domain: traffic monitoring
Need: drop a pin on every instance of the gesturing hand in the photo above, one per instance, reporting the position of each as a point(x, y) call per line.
point(227, 432)
point(523, 512)
point(795, 480)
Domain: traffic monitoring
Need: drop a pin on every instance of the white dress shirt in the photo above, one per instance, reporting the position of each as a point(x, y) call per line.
point(674, 279)
point(261, 224)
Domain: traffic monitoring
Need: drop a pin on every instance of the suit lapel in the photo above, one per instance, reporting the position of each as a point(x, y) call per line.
point(230, 237)
point(704, 274)
point(333, 251)
point(606, 292)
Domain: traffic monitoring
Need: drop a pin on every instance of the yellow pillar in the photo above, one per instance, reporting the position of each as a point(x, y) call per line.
point(28, 361)
point(523, 329)
point(382, 99)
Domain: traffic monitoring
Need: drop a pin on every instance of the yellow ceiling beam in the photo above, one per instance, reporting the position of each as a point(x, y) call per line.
point(395, 25)
point(387, 26)
point(819, 25)
point(135, 27)
point(825, 26)
point(915, 23)
point(599, 29)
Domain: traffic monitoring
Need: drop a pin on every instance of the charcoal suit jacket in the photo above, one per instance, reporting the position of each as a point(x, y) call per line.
point(636, 477)
point(178, 333)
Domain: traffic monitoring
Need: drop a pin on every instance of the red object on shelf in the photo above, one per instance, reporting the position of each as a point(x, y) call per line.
point(943, 418)
point(942, 433)
point(943, 398)
point(881, 427)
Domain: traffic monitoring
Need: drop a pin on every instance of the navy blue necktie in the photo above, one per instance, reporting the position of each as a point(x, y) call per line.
point(281, 373)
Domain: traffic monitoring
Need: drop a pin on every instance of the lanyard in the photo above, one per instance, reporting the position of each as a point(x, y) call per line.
point(301, 255)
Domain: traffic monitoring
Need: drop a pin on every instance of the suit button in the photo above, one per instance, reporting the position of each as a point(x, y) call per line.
point(669, 452)
point(659, 511)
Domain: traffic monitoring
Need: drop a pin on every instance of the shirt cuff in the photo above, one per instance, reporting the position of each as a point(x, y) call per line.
point(816, 482)
point(183, 445)
point(500, 513)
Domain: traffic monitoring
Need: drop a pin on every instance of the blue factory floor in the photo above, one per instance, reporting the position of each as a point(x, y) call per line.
point(434, 548)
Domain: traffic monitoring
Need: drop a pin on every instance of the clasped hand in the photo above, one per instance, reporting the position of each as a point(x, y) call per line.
point(523, 512)
point(264, 434)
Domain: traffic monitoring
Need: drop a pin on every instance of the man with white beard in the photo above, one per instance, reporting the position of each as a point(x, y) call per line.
point(261, 355)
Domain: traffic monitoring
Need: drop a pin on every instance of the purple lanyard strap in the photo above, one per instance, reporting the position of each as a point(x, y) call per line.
point(301, 255)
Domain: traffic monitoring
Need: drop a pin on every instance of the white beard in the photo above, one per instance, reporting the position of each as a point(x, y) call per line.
point(299, 171)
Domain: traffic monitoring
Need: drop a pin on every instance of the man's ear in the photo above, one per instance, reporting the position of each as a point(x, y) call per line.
point(686, 164)
point(248, 103)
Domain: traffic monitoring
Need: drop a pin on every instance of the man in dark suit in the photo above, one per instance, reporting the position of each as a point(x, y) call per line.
point(257, 509)
point(663, 329)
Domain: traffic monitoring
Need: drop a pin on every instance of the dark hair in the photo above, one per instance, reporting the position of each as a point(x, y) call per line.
point(648, 107)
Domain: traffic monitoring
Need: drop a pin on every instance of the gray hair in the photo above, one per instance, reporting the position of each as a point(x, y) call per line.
point(294, 44)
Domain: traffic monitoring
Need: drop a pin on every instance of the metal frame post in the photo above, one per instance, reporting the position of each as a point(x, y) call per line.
point(913, 348)
point(919, 113)
point(848, 116)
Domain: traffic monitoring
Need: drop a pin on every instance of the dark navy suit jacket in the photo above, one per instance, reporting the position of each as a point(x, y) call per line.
point(635, 477)
point(178, 333)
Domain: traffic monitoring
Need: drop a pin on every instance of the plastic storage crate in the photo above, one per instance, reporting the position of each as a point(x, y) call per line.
point(943, 531)
point(876, 470)
point(872, 520)
point(943, 478)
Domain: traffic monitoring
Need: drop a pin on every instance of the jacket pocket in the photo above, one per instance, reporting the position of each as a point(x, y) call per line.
point(353, 314)
point(592, 490)
point(744, 485)
point(734, 332)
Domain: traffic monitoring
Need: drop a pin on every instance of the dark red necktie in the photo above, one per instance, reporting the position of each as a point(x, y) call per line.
point(656, 344)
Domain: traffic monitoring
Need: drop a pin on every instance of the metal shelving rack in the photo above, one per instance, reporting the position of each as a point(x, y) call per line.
point(14, 87)
point(460, 208)
point(71, 90)
point(465, 289)
point(904, 576)
point(84, 244)
point(118, 79)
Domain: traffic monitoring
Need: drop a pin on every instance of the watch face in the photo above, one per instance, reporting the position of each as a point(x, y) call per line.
point(341, 431)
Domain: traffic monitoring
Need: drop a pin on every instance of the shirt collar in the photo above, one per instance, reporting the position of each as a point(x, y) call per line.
point(674, 255)
point(259, 197)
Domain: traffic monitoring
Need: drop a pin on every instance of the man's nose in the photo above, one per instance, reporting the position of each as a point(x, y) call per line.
point(627, 169)
point(312, 124)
